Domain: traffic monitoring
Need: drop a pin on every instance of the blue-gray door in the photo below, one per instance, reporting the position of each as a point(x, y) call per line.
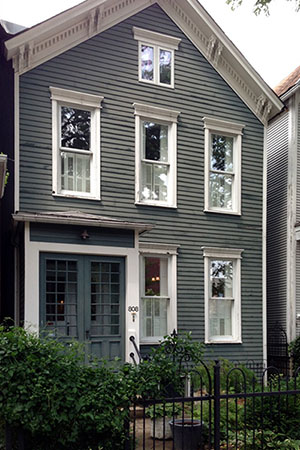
point(83, 297)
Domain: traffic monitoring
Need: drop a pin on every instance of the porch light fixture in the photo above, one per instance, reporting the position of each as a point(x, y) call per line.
point(85, 235)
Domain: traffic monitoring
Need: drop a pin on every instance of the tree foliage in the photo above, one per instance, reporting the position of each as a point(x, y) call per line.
point(260, 5)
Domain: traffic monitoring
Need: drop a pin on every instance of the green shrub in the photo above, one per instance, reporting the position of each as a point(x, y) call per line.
point(164, 373)
point(233, 377)
point(294, 351)
point(60, 403)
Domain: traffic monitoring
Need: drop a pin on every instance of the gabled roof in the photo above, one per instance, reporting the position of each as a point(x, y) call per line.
point(66, 30)
point(288, 82)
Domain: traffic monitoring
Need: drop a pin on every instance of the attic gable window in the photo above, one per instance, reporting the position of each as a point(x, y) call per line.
point(156, 57)
point(223, 148)
point(76, 143)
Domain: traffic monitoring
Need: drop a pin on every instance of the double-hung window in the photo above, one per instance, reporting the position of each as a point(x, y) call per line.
point(156, 57)
point(158, 291)
point(76, 143)
point(156, 130)
point(223, 145)
point(222, 295)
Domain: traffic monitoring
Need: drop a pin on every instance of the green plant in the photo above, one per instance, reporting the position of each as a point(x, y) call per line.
point(59, 402)
point(163, 410)
point(294, 351)
point(233, 377)
point(165, 372)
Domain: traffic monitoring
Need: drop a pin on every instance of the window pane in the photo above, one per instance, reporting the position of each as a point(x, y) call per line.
point(105, 298)
point(220, 313)
point(61, 297)
point(221, 153)
point(156, 276)
point(147, 60)
point(75, 128)
point(165, 63)
point(154, 317)
point(155, 141)
point(75, 172)
point(220, 190)
point(221, 279)
point(154, 182)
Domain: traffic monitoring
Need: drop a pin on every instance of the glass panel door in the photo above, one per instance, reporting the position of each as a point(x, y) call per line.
point(83, 297)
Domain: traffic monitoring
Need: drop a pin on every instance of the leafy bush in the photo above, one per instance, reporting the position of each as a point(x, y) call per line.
point(164, 373)
point(233, 377)
point(60, 403)
point(294, 350)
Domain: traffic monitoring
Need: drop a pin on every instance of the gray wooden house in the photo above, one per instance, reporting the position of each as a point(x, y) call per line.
point(284, 210)
point(140, 165)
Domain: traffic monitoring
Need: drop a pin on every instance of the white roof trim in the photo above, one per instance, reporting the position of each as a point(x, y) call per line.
point(140, 34)
point(79, 218)
point(66, 30)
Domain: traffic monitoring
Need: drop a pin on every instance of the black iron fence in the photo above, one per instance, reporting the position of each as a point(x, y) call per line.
point(233, 410)
point(223, 408)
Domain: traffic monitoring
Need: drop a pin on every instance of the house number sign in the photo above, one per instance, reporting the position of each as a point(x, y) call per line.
point(133, 310)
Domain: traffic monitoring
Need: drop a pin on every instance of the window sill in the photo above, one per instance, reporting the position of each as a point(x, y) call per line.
point(159, 205)
point(219, 211)
point(152, 342)
point(81, 197)
point(152, 83)
point(210, 342)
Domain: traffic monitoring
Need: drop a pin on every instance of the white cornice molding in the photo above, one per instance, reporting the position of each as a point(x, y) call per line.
point(153, 112)
point(140, 34)
point(154, 248)
point(54, 36)
point(217, 252)
point(68, 29)
point(82, 98)
point(223, 125)
point(208, 37)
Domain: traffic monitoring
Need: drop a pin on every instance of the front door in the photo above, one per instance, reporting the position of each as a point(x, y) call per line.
point(83, 297)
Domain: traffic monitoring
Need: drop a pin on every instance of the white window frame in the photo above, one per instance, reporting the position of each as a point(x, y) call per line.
point(234, 255)
point(88, 102)
point(230, 129)
point(165, 117)
point(161, 251)
point(159, 42)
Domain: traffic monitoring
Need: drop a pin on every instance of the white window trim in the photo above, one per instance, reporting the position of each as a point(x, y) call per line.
point(169, 251)
point(159, 42)
point(64, 97)
point(164, 116)
point(231, 129)
point(211, 253)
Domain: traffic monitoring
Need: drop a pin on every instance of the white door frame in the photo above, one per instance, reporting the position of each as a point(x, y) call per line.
point(32, 277)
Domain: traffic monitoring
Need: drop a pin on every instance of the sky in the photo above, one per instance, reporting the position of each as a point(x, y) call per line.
point(268, 42)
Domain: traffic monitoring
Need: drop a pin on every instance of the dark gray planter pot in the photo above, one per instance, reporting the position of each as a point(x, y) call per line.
point(186, 433)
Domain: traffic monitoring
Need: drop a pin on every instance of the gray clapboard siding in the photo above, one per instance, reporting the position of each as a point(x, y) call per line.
point(107, 65)
point(40, 232)
point(298, 167)
point(298, 288)
point(277, 219)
